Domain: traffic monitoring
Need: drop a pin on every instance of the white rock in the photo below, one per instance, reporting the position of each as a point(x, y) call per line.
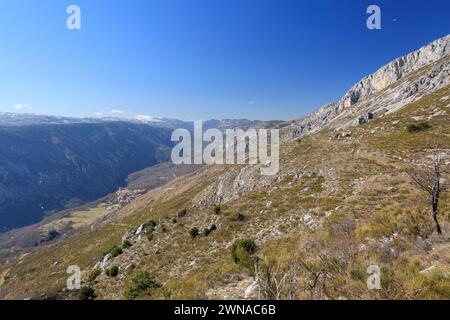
point(104, 263)
point(140, 229)
point(252, 290)
point(428, 270)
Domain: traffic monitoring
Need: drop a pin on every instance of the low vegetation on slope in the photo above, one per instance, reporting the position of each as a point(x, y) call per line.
point(341, 204)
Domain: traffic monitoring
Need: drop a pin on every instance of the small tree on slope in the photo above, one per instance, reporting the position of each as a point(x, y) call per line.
point(431, 178)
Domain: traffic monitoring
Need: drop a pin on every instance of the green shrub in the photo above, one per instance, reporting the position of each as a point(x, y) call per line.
point(182, 213)
point(422, 126)
point(113, 272)
point(115, 251)
point(149, 234)
point(241, 252)
point(93, 274)
point(194, 233)
point(247, 244)
point(50, 236)
point(152, 224)
point(141, 284)
point(87, 293)
point(126, 244)
point(217, 210)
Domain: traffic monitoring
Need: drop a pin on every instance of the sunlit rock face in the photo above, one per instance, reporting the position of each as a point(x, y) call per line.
point(398, 69)
point(401, 82)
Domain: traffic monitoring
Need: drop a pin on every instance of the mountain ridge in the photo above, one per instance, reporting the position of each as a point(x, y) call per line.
point(355, 100)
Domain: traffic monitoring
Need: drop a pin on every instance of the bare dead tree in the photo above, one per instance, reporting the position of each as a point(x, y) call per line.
point(431, 178)
point(316, 279)
point(277, 281)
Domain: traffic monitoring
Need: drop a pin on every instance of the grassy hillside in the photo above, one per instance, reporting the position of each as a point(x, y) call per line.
point(340, 203)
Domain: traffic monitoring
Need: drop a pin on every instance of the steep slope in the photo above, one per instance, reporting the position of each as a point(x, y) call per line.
point(44, 168)
point(392, 87)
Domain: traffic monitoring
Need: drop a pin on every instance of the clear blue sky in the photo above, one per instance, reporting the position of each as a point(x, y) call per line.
point(198, 59)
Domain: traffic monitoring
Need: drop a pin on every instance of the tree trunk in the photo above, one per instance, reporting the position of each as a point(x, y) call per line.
point(435, 216)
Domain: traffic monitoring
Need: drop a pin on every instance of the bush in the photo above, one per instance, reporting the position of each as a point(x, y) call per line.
point(239, 217)
point(50, 236)
point(126, 244)
point(207, 231)
point(217, 210)
point(93, 274)
point(182, 213)
point(115, 251)
point(194, 233)
point(149, 234)
point(247, 244)
point(422, 126)
point(113, 272)
point(242, 249)
point(87, 293)
point(152, 224)
point(141, 284)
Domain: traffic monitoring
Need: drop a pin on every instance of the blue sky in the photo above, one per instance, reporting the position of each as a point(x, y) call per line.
point(199, 59)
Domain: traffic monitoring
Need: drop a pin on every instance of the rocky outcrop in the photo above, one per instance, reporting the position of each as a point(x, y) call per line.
point(232, 185)
point(401, 81)
point(365, 118)
point(396, 70)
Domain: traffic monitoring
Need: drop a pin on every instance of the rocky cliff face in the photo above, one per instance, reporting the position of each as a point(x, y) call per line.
point(396, 70)
point(401, 81)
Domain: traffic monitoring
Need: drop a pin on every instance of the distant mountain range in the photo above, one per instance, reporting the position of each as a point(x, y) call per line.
point(9, 119)
point(44, 168)
point(50, 163)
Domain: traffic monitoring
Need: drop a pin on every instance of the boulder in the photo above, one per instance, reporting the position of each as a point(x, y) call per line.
point(105, 262)
point(140, 229)
point(212, 227)
point(252, 291)
point(365, 118)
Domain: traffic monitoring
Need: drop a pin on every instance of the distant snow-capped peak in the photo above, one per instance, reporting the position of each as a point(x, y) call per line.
point(146, 118)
